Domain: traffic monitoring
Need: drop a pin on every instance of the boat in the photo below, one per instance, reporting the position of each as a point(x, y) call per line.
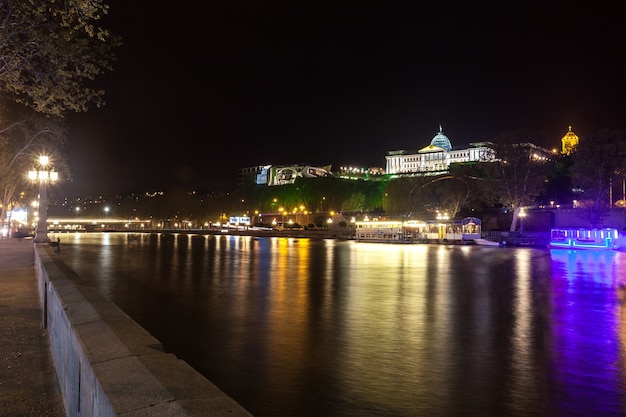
point(417, 231)
point(584, 238)
point(382, 232)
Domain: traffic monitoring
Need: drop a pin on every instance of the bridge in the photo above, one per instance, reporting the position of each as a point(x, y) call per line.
point(76, 224)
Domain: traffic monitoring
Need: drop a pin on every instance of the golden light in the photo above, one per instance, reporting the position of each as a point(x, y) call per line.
point(43, 175)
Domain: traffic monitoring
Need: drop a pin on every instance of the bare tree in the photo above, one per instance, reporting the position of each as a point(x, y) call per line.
point(598, 162)
point(20, 145)
point(518, 176)
point(441, 194)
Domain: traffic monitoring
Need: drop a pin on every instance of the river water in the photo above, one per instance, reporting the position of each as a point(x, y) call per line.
point(304, 327)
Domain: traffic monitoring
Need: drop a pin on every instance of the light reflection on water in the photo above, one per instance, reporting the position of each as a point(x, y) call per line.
point(588, 330)
point(338, 328)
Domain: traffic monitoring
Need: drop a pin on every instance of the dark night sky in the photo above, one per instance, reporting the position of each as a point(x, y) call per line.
point(198, 93)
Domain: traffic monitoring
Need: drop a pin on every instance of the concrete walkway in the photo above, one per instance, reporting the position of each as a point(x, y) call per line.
point(28, 382)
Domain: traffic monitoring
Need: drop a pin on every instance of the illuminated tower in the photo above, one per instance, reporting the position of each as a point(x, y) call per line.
point(569, 142)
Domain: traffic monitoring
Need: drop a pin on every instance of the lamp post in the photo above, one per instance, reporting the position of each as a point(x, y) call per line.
point(106, 216)
point(43, 174)
point(443, 225)
point(522, 216)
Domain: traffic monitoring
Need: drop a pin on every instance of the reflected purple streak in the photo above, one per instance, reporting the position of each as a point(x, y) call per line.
point(588, 331)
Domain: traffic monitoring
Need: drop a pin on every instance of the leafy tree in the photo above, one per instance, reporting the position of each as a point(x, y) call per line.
point(316, 194)
point(518, 177)
point(398, 196)
point(356, 202)
point(50, 54)
point(51, 51)
point(598, 162)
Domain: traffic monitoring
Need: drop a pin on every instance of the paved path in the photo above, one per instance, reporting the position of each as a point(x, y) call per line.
point(28, 383)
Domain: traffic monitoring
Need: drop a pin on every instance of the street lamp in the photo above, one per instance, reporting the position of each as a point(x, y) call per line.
point(522, 216)
point(44, 175)
point(443, 225)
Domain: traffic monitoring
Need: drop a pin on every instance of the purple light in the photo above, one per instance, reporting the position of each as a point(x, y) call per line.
point(587, 329)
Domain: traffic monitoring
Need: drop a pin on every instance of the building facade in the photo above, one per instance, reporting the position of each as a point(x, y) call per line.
point(437, 157)
point(433, 159)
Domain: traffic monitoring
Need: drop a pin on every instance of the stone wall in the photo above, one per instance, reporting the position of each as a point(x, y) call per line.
point(616, 218)
point(538, 220)
point(108, 365)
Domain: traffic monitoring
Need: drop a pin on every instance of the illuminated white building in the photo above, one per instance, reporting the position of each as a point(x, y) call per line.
point(434, 159)
point(437, 157)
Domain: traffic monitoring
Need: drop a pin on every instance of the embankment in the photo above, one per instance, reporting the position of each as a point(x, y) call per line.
point(108, 365)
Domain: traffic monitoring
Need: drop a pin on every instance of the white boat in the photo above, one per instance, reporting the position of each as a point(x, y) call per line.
point(382, 232)
point(416, 231)
point(582, 238)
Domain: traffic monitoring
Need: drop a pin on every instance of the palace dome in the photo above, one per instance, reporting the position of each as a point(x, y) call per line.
point(441, 141)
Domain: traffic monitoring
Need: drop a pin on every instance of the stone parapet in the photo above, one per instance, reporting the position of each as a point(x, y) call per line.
point(108, 365)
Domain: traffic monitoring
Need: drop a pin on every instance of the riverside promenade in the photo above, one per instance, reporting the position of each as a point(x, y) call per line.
point(28, 381)
point(66, 349)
